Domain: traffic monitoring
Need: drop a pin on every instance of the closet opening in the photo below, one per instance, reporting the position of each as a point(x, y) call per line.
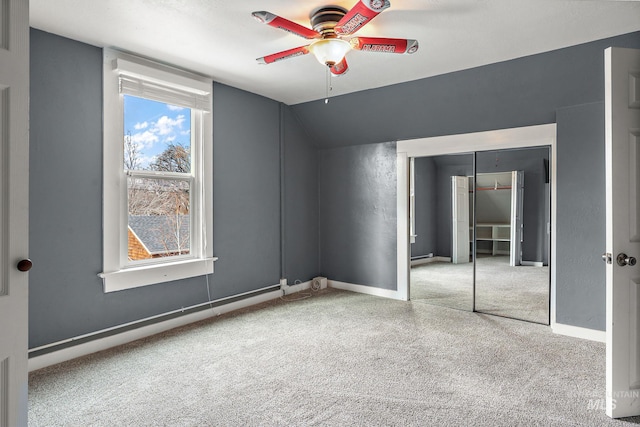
point(480, 223)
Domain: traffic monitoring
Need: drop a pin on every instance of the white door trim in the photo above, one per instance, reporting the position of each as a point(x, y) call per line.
point(523, 137)
point(404, 253)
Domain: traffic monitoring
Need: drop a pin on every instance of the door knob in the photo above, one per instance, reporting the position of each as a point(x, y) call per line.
point(25, 265)
point(622, 259)
point(606, 257)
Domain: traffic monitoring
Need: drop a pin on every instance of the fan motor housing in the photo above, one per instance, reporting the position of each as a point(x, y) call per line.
point(324, 19)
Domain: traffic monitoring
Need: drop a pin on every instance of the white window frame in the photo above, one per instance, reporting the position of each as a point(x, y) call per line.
point(166, 84)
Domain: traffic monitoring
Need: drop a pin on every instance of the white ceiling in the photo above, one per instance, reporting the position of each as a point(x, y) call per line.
point(220, 38)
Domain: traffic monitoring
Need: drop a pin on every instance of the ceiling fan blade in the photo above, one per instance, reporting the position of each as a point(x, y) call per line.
point(340, 68)
point(285, 54)
point(381, 44)
point(359, 15)
point(284, 24)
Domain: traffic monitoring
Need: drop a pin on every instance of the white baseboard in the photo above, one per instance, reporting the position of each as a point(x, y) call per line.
point(531, 263)
point(369, 290)
point(99, 344)
point(579, 332)
point(422, 261)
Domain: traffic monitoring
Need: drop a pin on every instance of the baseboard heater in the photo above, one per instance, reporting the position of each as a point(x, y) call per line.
point(70, 342)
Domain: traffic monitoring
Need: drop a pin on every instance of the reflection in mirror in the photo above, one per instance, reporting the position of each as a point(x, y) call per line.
point(512, 233)
point(441, 256)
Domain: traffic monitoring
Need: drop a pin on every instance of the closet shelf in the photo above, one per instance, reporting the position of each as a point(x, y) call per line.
point(497, 238)
point(504, 187)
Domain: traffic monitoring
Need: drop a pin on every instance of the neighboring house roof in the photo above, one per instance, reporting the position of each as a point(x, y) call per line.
point(161, 234)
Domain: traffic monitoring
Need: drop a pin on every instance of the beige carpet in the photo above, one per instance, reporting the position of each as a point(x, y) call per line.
point(520, 292)
point(335, 359)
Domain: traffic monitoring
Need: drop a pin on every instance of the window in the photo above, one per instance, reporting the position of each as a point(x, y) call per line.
point(157, 205)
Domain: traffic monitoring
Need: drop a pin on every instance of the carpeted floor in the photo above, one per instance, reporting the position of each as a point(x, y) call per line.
point(335, 359)
point(444, 284)
point(518, 292)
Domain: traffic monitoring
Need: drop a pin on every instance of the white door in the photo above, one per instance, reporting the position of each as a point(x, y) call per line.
point(460, 222)
point(517, 201)
point(14, 215)
point(622, 153)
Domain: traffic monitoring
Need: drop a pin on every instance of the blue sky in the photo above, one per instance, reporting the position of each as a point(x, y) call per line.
point(154, 125)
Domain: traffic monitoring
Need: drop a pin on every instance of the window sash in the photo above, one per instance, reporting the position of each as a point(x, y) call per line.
point(149, 174)
point(194, 218)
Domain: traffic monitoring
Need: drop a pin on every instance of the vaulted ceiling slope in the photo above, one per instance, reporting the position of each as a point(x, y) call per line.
point(220, 38)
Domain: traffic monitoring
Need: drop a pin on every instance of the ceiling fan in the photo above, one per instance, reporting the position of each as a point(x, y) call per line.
point(332, 26)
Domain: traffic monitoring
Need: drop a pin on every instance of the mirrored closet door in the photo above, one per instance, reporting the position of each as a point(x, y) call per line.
point(441, 254)
point(480, 225)
point(512, 223)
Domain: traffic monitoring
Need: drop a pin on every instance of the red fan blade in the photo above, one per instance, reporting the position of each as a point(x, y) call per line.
point(380, 44)
point(359, 15)
point(296, 51)
point(340, 68)
point(284, 24)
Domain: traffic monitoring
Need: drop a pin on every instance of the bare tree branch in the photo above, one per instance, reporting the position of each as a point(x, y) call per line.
point(131, 153)
point(175, 158)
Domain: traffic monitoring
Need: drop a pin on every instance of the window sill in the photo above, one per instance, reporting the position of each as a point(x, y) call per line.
point(136, 277)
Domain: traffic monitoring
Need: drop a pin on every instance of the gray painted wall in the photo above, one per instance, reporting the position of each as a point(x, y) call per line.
point(426, 219)
point(246, 191)
point(358, 214)
point(301, 208)
point(522, 92)
point(581, 217)
point(66, 297)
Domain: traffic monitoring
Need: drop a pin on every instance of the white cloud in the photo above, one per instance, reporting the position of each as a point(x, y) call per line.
point(174, 107)
point(165, 125)
point(139, 147)
point(139, 126)
point(144, 139)
point(151, 136)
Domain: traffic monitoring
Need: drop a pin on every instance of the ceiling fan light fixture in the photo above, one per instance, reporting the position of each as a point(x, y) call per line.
point(329, 51)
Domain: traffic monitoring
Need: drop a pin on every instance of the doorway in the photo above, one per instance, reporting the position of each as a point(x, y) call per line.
point(494, 242)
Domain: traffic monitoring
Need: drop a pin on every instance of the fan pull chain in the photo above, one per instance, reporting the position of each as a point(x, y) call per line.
point(329, 88)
